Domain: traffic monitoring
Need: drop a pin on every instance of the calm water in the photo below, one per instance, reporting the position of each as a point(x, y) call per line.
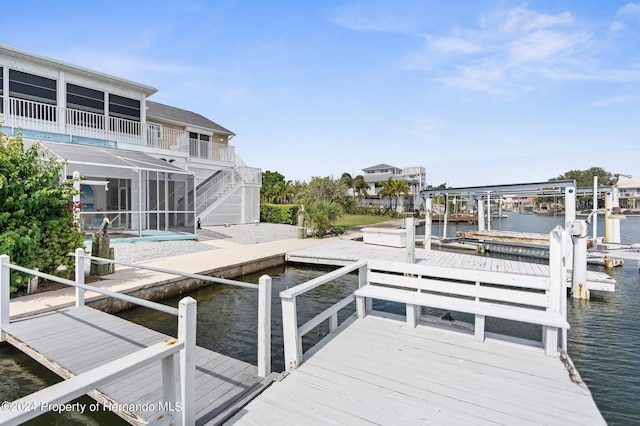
point(602, 341)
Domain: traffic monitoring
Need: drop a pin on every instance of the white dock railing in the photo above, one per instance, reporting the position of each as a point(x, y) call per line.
point(185, 344)
point(291, 333)
point(37, 403)
point(514, 297)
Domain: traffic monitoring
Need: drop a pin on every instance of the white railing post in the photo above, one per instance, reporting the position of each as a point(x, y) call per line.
point(290, 335)
point(557, 284)
point(79, 275)
point(187, 333)
point(169, 393)
point(363, 305)
point(264, 326)
point(5, 278)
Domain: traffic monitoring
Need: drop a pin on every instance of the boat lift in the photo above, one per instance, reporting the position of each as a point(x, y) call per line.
point(577, 241)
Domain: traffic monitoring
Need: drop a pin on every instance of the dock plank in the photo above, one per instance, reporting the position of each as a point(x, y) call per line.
point(73, 340)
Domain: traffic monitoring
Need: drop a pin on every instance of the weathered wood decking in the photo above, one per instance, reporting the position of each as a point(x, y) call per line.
point(379, 371)
point(74, 340)
point(347, 251)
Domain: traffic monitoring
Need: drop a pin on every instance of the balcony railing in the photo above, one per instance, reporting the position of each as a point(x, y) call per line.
point(211, 150)
point(41, 117)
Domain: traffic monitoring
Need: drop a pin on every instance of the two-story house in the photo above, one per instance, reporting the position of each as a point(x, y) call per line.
point(146, 166)
point(377, 176)
point(629, 192)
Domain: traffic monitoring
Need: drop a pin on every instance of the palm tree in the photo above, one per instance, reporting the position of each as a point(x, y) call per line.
point(360, 187)
point(400, 187)
point(388, 190)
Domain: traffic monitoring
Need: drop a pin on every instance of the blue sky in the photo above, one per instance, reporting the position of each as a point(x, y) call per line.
point(477, 92)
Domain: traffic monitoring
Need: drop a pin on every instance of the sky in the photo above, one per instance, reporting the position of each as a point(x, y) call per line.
point(477, 92)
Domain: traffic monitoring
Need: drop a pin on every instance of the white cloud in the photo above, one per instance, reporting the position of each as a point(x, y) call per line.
point(630, 9)
point(523, 20)
point(511, 52)
point(545, 45)
point(368, 16)
point(616, 26)
point(454, 44)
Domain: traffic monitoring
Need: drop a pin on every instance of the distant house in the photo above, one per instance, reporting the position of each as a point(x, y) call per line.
point(146, 166)
point(377, 175)
point(629, 192)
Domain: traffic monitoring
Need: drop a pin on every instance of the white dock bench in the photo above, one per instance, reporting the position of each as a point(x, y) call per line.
point(529, 299)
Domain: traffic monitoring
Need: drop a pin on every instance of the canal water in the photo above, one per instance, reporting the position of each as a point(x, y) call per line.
point(603, 338)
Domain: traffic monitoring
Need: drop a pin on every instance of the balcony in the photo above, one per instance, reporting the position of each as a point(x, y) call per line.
point(51, 122)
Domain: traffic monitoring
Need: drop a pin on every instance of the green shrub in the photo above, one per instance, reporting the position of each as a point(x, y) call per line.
point(279, 213)
point(321, 214)
point(37, 227)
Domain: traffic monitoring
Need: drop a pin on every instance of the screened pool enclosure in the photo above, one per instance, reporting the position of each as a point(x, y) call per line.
point(139, 194)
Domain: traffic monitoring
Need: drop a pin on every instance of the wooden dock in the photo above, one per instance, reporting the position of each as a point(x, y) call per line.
point(348, 251)
point(379, 371)
point(75, 340)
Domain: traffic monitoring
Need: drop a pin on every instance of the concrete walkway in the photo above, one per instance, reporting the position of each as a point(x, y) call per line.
point(127, 279)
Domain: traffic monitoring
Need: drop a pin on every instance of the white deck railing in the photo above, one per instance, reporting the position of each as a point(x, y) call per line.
point(291, 333)
point(531, 299)
point(66, 391)
point(41, 117)
point(211, 150)
point(186, 314)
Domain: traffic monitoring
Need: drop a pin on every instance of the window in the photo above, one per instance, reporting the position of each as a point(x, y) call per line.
point(85, 99)
point(1, 89)
point(32, 87)
point(122, 107)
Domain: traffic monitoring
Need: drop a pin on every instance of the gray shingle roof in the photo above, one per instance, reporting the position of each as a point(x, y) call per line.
point(380, 166)
point(167, 112)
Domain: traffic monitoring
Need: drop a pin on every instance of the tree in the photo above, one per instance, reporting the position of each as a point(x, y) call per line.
point(271, 181)
point(400, 187)
point(321, 215)
point(584, 178)
point(360, 187)
point(37, 217)
point(325, 200)
point(388, 190)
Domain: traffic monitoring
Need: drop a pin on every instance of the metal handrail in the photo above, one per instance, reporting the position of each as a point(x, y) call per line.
point(136, 300)
point(172, 272)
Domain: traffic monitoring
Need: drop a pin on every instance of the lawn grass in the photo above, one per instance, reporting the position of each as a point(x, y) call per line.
point(350, 220)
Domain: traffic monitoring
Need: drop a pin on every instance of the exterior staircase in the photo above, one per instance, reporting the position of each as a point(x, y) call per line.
point(226, 187)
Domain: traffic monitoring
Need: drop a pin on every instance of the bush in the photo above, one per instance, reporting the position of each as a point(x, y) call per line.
point(320, 216)
point(279, 213)
point(37, 226)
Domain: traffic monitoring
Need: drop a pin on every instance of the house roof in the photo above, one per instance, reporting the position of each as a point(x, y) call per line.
point(380, 166)
point(626, 182)
point(174, 114)
point(65, 66)
point(119, 158)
